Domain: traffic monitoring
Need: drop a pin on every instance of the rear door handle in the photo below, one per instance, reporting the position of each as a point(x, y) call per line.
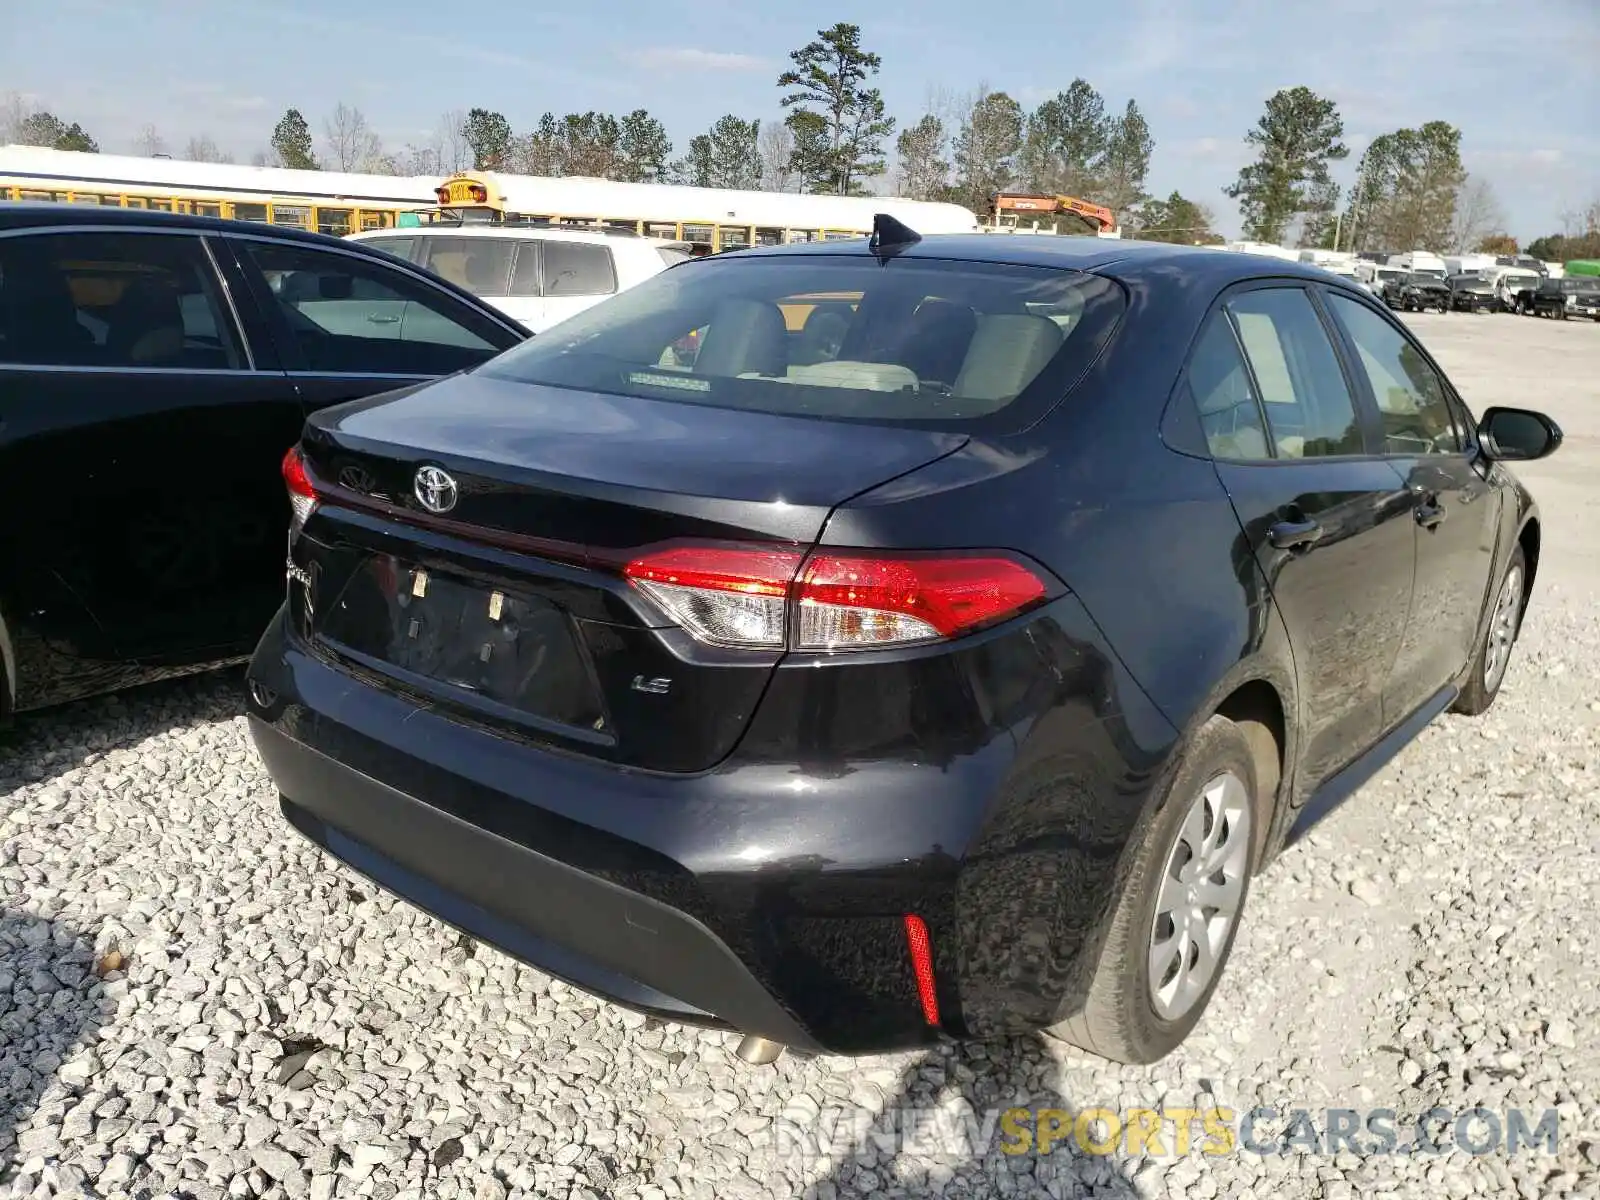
point(1429, 514)
point(1294, 535)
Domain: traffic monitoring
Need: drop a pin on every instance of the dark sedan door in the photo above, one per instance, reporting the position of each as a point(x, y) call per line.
point(140, 437)
point(349, 326)
point(1329, 524)
point(1453, 505)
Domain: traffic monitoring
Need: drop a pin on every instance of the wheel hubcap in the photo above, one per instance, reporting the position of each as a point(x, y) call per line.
point(1502, 629)
point(1201, 889)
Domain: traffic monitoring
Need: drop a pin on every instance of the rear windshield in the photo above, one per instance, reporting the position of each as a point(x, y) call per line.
point(836, 336)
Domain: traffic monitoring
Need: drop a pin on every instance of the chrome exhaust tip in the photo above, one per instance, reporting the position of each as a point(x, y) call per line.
point(758, 1051)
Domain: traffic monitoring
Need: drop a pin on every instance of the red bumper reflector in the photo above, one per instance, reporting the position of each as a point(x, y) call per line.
point(922, 964)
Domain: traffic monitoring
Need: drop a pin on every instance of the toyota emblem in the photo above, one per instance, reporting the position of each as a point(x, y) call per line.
point(435, 490)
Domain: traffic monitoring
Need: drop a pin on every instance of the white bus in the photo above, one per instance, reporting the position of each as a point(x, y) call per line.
point(709, 219)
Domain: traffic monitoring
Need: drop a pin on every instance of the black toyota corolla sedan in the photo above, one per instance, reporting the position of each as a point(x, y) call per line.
point(934, 643)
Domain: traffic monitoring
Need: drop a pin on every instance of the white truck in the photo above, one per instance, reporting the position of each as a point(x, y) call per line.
point(1470, 264)
point(1419, 262)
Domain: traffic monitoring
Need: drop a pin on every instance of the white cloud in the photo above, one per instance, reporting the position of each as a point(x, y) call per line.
point(694, 59)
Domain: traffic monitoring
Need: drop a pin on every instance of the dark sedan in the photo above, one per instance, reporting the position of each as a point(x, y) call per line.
point(153, 370)
point(1417, 292)
point(1471, 293)
point(948, 669)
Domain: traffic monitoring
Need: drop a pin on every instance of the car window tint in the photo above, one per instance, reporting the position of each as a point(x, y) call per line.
point(113, 300)
point(577, 269)
point(1310, 413)
point(481, 265)
point(1220, 387)
point(356, 316)
point(525, 273)
point(1410, 396)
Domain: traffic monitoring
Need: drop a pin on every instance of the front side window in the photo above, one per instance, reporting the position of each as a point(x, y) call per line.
point(1410, 396)
point(839, 336)
point(481, 265)
point(350, 315)
point(113, 300)
point(1309, 409)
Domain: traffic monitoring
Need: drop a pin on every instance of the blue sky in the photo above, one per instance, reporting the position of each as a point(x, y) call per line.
point(1522, 81)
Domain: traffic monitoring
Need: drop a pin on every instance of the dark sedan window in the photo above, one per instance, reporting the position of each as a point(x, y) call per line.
point(1220, 385)
point(837, 336)
point(1411, 398)
point(1309, 408)
point(355, 316)
point(113, 300)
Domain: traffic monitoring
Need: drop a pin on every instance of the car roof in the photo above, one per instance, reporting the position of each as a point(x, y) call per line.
point(1121, 258)
point(590, 236)
point(37, 214)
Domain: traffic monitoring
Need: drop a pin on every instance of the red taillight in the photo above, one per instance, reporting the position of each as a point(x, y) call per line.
point(743, 596)
point(727, 595)
point(920, 948)
point(302, 496)
point(852, 600)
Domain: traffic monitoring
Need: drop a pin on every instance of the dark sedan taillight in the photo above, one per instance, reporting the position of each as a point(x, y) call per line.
point(833, 600)
point(302, 495)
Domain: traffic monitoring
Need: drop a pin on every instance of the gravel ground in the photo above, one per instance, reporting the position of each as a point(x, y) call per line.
point(193, 1004)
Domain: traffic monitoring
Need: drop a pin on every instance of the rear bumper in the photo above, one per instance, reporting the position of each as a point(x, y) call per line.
point(533, 907)
point(769, 894)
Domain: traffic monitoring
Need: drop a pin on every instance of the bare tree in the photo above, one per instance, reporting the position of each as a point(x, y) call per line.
point(149, 142)
point(265, 158)
point(1478, 214)
point(203, 149)
point(455, 153)
point(777, 148)
point(352, 146)
point(14, 110)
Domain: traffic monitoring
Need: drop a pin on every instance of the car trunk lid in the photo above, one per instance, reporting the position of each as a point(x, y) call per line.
point(506, 601)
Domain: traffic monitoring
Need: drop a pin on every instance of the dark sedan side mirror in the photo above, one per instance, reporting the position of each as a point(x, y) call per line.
point(1518, 434)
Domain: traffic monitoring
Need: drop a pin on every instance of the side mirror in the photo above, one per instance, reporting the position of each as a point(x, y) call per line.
point(1518, 434)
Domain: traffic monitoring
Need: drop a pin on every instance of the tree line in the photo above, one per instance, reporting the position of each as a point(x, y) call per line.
point(1410, 190)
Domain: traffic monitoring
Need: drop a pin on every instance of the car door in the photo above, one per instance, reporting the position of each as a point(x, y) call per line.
point(141, 432)
point(393, 326)
point(1453, 504)
point(1328, 522)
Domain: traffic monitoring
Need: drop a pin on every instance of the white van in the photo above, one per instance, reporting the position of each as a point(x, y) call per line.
point(537, 275)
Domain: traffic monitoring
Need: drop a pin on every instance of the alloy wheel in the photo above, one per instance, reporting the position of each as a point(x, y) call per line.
point(1502, 629)
point(1201, 892)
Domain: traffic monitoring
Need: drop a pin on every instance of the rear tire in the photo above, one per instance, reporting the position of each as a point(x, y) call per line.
point(1212, 805)
point(1493, 656)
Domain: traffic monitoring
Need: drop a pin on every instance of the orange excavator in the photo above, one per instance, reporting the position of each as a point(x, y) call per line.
point(1018, 205)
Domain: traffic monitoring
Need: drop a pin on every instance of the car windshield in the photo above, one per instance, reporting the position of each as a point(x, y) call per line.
point(1581, 285)
point(1387, 275)
point(841, 336)
point(1421, 277)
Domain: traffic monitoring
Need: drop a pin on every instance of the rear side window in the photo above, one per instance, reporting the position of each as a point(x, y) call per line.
point(481, 265)
point(352, 315)
point(113, 300)
point(578, 269)
point(1219, 382)
point(1310, 413)
point(837, 336)
point(525, 274)
point(400, 247)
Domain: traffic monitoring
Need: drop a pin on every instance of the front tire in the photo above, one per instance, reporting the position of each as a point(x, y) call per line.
point(1493, 656)
point(1176, 919)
